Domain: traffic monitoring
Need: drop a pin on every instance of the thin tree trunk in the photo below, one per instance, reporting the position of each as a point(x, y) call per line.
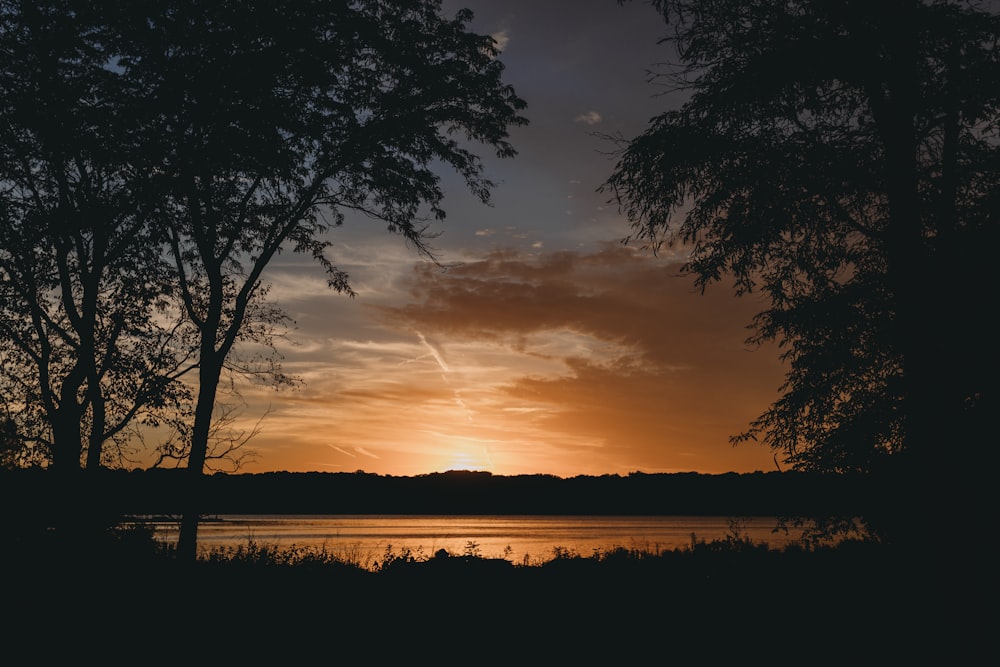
point(187, 542)
point(209, 373)
point(95, 398)
point(98, 424)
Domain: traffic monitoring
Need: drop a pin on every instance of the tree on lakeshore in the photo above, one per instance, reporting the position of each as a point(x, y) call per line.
point(265, 122)
point(85, 355)
point(841, 157)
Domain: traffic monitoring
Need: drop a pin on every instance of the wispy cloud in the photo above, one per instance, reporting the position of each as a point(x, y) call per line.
point(434, 352)
point(569, 362)
point(590, 118)
point(502, 38)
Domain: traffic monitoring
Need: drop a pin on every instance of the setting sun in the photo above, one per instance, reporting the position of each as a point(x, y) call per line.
point(469, 459)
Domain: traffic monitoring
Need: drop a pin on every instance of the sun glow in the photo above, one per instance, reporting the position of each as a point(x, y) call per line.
point(468, 458)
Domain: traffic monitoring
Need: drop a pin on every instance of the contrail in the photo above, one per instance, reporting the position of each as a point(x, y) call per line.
point(446, 371)
point(434, 353)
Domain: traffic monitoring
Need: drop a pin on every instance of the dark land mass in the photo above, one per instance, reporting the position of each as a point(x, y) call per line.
point(857, 604)
point(456, 492)
point(117, 601)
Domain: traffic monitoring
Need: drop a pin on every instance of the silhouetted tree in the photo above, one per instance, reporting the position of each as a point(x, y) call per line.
point(15, 453)
point(85, 354)
point(266, 121)
point(842, 158)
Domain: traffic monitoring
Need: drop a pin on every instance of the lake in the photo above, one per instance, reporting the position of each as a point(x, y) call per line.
point(520, 539)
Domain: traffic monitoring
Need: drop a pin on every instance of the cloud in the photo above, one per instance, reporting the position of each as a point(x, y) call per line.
point(502, 38)
point(638, 366)
point(510, 296)
point(590, 118)
point(435, 352)
point(568, 362)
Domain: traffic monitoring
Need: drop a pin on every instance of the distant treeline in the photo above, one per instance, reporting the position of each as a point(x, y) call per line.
point(160, 492)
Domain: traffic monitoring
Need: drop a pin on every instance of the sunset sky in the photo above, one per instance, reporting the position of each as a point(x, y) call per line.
point(549, 347)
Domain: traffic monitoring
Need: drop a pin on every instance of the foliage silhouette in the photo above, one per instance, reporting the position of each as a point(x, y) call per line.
point(86, 352)
point(841, 158)
point(710, 601)
point(178, 147)
point(268, 121)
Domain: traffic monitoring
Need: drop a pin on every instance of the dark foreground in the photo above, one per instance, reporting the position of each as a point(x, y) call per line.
point(858, 604)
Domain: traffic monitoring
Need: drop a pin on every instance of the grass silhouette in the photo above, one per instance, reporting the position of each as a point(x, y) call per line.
point(720, 601)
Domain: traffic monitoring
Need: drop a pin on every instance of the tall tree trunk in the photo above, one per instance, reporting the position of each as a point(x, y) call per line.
point(95, 444)
point(924, 405)
point(66, 440)
point(928, 406)
point(67, 511)
point(209, 374)
point(67, 433)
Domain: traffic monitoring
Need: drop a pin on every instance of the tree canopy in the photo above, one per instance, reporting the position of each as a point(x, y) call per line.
point(841, 158)
point(81, 282)
point(158, 155)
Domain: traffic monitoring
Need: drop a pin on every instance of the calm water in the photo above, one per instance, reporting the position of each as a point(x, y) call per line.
point(516, 538)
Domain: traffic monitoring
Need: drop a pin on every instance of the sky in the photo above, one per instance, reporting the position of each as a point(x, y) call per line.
point(541, 344)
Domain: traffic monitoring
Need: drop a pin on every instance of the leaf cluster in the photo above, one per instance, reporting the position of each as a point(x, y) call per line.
point(156, 157)
point(782, 171)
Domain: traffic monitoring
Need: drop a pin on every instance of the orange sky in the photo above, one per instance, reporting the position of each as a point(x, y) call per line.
point(550, 347)
point(570, 362)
